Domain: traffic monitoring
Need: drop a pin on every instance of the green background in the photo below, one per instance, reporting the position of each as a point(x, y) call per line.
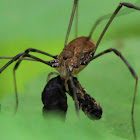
point(43, 25)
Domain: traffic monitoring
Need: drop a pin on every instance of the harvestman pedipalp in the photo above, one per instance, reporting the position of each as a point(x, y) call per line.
point(76, 56)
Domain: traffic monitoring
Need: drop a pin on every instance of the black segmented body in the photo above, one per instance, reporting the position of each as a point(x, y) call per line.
point(54, 99)
point(89, 106)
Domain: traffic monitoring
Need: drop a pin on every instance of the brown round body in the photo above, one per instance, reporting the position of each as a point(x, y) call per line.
point(71, 54)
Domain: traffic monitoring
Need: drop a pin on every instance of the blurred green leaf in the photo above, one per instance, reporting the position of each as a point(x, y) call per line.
point(43, 25)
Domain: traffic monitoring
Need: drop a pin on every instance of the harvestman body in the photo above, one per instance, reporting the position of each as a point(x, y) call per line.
point(76, 56)
point(68, 59)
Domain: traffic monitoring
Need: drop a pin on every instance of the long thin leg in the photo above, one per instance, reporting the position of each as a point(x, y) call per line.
point(128, 5)
point(133, 74)
point(18, 63)
point(15, 85)
point(14, 74)
point(16, 93)
point(98, 22)
point(76, 26)
point(24, 55)
point(16, 66)
point(74, 93)
point(32, 50)
point(20, 58)
point(38, 51)
point(76, 22)
point(102, 18)
point(70, 23)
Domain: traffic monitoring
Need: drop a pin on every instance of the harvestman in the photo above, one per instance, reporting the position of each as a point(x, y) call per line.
point(76, 56)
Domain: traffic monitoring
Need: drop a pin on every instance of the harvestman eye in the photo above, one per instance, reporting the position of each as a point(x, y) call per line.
point(65, 57)
point(67, 69)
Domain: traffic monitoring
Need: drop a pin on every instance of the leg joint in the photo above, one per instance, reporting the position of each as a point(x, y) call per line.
point(116, 51)
point(16, 65)
point(30, 49)
point(133, 73)
point(129, 5)
point(17, 56)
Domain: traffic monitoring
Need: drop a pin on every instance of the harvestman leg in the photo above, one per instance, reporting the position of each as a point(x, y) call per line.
point(20, 58)
point(66, 40)
point(15, 86)
point(76, 22)
point(99, 20)
point(32, 50)
point(70, 22)
point(74, 93)
point(23, 55)
point(15, 83)
point(132, 72)
point(52, 64)
point(76, 26)
point(128, 5)
point(121, 4)
point(16, 66)
point(41, 52)
point(15, 79)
